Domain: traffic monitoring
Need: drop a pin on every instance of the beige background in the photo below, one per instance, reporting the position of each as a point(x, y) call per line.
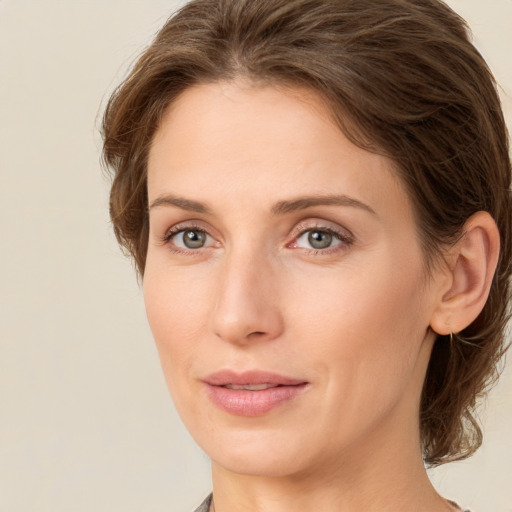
point(85, 420)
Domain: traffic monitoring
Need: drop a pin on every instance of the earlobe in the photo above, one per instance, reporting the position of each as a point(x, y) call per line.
point(473, 263)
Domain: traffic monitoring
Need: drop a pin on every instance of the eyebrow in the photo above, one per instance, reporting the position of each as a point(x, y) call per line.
point(180, 202)
point(301, 203)
point(280, 208)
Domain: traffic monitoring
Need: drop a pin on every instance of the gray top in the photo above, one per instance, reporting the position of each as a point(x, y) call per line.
point(454, 503)
point(205, 506)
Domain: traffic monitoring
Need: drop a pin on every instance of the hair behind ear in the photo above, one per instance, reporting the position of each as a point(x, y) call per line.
point(466, 353)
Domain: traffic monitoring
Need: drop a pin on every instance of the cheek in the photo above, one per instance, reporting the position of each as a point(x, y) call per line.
point(176, 305)
point(373, 295)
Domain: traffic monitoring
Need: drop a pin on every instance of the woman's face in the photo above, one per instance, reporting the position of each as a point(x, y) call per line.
point(284, 283)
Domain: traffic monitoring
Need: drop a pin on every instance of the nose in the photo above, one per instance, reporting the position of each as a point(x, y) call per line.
point(247, 302)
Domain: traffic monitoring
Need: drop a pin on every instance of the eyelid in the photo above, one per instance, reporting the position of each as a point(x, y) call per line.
point(192, 224)
point(322, 225)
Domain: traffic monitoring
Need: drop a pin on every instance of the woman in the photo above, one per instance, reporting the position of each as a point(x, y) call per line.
point(316, 195)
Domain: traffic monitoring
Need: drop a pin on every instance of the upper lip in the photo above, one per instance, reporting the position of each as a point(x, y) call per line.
point(251, 377)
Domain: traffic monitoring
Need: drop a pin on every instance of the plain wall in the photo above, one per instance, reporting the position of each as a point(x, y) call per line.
point(86, 423)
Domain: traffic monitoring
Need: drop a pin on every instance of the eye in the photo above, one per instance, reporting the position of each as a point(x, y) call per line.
point(190, 238)
point(321, 239)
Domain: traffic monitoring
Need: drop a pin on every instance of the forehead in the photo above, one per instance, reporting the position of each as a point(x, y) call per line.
point(241, 112)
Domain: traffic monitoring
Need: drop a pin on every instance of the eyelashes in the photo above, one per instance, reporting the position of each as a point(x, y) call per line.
point(193, 239)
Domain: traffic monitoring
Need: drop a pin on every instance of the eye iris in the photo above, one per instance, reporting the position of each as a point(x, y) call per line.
point(194, 239)
point(319, 239)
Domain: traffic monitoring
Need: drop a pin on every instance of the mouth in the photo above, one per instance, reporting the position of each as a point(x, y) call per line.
point(252, 393)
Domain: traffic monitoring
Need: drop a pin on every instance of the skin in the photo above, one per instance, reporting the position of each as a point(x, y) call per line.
point(352, 319)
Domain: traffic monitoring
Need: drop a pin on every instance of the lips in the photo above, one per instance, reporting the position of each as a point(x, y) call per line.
point(252, 393)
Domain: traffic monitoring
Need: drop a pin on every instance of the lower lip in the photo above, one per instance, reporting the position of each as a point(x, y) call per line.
point(252, 403)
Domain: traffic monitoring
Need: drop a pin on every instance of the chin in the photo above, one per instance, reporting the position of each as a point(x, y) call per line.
point(256, 453)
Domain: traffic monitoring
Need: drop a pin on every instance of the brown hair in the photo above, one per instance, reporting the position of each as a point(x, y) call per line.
point(413, 87)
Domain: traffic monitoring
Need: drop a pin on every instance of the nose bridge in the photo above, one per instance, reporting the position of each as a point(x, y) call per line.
point(247, 300)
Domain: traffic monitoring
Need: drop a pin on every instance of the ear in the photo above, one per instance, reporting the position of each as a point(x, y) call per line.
point(471, 265)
